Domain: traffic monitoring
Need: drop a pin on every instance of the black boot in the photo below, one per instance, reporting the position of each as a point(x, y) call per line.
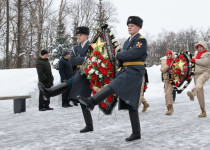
point(53, 91)
point(135, 124)
point(90, 102)
point(75, 103)
point(66, 105)
point(88, 120)
point(48, 108)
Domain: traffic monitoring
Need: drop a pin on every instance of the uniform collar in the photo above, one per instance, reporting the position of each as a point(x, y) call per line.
point(132, 37)
point(82, 45)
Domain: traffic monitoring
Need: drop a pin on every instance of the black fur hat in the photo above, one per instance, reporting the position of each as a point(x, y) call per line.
point(82, 30)
point(135, 20)
point(43, 52)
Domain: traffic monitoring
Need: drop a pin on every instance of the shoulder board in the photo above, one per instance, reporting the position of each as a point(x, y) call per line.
point(141, 37)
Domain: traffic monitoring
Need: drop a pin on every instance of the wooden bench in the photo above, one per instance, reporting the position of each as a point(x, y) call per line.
point(19, 102)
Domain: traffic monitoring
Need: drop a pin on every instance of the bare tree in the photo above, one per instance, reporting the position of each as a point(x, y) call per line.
point(92, 13)
point(7, 38)
point(41, 10)
point(2, 12)
point(19, 34)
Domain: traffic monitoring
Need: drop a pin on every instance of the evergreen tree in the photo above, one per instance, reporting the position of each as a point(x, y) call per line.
point(61, 44)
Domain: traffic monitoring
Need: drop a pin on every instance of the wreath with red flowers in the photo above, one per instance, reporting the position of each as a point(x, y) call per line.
point(100, 72)
point(181, 71)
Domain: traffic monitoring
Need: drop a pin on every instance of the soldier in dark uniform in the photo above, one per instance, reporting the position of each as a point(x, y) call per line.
point(79, 84)
point(127, 83)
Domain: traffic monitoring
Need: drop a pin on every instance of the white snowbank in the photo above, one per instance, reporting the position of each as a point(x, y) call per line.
point(14, 82)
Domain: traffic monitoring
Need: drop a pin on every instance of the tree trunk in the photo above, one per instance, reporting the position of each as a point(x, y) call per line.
point(40, 28)
point(7, 38)
point(19, 33)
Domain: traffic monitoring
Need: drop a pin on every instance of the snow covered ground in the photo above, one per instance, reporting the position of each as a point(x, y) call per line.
point(59, 129)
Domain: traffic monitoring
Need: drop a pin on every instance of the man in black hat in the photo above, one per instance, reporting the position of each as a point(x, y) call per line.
point(66, 72)
point(127, 83)
point(79, 84)
point(45, 77)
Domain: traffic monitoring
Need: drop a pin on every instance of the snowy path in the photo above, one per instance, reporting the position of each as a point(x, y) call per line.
point(59, 129)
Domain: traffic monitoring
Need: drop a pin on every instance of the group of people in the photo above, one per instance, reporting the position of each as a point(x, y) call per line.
point(129, 83)
point(201, 75)
point(46, 78)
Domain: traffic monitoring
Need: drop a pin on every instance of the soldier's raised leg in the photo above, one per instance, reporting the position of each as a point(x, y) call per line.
point(90, 102)
point(55, 90)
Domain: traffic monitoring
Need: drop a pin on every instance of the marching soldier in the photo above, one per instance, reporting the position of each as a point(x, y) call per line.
point(201, 75)
point(127, 83)
point(79, 84)
point(168, 88)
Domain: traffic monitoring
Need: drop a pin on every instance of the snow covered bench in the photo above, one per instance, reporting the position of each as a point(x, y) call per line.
point(19, 102)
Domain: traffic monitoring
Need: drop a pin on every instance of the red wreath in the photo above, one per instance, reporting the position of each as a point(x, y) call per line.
point(100, 72)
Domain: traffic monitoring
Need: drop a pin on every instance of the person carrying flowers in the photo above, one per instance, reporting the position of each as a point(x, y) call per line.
point(201, 74)
point(168, 88)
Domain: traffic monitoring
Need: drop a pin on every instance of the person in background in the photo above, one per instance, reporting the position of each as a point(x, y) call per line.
point(168, 88)
point(142, 100)
point(65, 71)
point(201, 75)
point(174, 95)
point(45, 77)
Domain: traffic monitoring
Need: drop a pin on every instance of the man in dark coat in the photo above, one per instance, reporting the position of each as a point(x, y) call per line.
point(65, 71)
point(79, 83)
point(45, 77)
point(127, 83)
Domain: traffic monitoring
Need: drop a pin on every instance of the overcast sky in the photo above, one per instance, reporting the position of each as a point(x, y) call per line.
point(171, 15)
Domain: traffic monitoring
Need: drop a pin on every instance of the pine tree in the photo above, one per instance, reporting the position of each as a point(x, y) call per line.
point(61, 44)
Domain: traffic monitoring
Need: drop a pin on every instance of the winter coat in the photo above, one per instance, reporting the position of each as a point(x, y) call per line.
point(164, 69)
point(127, 82)
point(65, 69)
point(44, 72)
point(80, 85)
point(203, 64)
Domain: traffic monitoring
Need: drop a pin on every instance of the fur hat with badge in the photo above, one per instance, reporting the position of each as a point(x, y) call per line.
point(43, 52)
point(135, 20)
point(82, 30)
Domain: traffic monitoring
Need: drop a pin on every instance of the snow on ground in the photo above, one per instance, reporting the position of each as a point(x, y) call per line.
point(59, 129)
